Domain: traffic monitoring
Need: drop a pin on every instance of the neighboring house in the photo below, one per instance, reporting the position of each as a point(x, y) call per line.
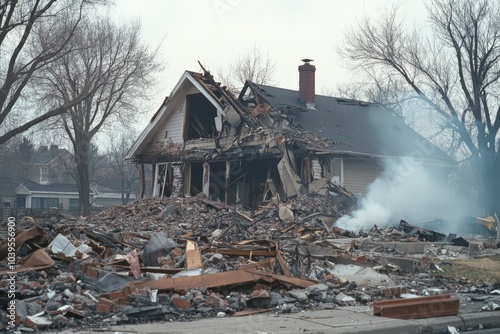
point(53, 165)
point(40, 196)
point(108, 197)
point(49, 182)
point(270, 141)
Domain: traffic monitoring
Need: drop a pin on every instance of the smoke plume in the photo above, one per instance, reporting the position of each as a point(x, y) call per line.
point(405, 190)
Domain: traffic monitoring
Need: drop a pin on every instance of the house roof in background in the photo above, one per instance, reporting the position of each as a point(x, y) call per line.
point(45, 156)
point(55, 188)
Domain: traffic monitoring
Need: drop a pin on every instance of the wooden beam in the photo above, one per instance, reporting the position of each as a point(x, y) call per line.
point(200, 281)
point(143, 181)
point(193, 255)
point(283, 265)
point(206, 179)
point(300, 282)
point(227, 180)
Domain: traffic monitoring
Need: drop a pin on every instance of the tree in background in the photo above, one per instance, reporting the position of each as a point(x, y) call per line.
point(255, 66)
point(117, 173)
point(113, 70)
point(20, 25)
point(16, 158)
point(453, 68)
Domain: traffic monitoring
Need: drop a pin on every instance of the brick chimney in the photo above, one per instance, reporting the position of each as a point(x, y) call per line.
point(307, 83)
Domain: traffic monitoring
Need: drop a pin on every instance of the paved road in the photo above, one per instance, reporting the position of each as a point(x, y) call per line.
point(340, 320)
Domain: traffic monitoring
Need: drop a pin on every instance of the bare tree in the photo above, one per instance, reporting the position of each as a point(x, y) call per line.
point(116, 72)
point(255, 66)
point(118, 173)
point(20, 24)
point(453, 67)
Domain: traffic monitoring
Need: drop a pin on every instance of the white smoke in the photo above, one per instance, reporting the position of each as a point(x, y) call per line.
point(406, 190)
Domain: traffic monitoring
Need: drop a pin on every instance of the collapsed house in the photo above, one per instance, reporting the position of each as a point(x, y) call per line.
point(270, 142)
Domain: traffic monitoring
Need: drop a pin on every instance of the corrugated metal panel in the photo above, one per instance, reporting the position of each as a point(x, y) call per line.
point(359, 174)
point(174, 125)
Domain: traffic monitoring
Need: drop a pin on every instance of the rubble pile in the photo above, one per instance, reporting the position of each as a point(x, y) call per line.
point(189, 258)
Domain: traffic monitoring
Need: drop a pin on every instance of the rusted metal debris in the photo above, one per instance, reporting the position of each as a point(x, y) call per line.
point(417, 308)
point(204, 258)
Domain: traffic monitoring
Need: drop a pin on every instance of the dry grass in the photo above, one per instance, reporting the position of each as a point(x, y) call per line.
point(480, 270)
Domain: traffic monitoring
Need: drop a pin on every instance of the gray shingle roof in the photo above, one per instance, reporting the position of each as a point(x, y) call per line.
point(43, 157)
point(354, 126)
point(56, 188)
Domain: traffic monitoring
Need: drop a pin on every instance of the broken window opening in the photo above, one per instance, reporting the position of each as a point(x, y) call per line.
point(196, 178)
point(201, 116)
point(163, 180)
point(336, 168)
point(253, 185)
point(217, 183)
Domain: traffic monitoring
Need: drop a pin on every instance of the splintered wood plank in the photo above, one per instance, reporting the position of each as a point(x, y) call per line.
point(200, 281)
point(300, 282)
point(193, 255)
point(247, 252)
point(283, 265)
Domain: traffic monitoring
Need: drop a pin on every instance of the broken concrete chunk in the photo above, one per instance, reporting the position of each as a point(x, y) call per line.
point(316, 288)
point(320, 186)
point(405, 264)
point(344, 300)
point(474, 249)
point(460, 242)
point(217, 233)
point(155, 312)
point(300, 295)
point(285, 213)
point(158, 245)
point(169, 210)
point(216, 258)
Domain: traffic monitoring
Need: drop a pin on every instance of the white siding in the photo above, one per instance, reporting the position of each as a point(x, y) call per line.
point(317, 170)
point(173, 128)
point(359, 174)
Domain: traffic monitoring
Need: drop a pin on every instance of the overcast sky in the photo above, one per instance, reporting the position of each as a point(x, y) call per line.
point(217, 32)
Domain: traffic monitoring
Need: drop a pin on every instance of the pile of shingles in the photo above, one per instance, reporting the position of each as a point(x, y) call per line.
point(180, 258)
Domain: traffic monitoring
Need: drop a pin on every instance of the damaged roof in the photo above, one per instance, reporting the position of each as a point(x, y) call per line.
point(355, 127)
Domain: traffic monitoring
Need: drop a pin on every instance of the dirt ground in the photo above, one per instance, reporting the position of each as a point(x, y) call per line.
point(478, 270)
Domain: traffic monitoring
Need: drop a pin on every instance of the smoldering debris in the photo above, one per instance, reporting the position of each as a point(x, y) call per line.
point(189, 258)
point(405, 190)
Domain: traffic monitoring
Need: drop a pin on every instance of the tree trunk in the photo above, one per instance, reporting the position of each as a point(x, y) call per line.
point(491, 186)
point(81, 148)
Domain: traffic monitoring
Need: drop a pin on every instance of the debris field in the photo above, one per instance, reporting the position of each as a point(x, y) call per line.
point(188, 258)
